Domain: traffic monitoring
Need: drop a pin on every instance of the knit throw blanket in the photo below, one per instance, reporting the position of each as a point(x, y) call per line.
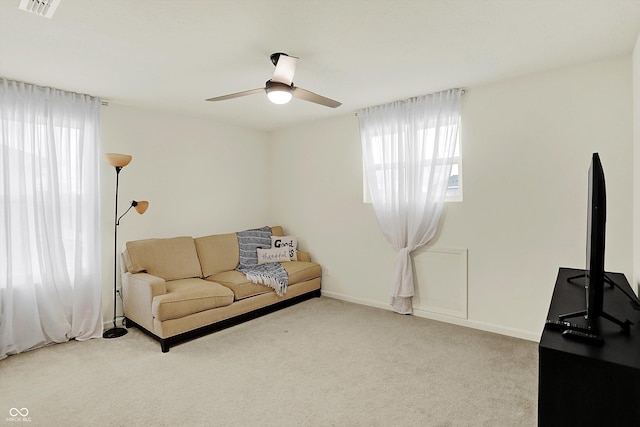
point(271, 274)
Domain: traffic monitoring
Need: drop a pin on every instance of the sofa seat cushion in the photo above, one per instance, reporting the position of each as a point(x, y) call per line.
point(300, 271)
point(237, 282)
point(188, 296)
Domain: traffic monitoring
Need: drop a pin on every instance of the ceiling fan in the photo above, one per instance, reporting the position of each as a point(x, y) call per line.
point(280, 88)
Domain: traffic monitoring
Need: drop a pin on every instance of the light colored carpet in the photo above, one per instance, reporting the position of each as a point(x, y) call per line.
point(323, 362)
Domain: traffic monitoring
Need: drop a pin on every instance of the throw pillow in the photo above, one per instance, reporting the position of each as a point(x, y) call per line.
point(249, 241)
point(288, 242)
point(266, 256)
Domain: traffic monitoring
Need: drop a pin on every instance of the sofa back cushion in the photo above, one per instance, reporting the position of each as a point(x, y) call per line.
point(219, 252)
point(171, 258)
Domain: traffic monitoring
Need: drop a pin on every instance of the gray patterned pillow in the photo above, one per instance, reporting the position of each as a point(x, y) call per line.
point(249, 242)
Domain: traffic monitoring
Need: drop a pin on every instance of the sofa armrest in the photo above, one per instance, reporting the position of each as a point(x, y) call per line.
point(304, 256)
point(138, 291)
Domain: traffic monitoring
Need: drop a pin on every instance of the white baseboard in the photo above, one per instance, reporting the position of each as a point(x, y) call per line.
point(360, 301)
point(516, 333)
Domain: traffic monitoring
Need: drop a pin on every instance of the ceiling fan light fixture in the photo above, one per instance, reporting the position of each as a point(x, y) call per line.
point(280, 88)
point(279, 93)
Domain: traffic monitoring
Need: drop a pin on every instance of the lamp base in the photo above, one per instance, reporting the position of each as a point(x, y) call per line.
point(114, 333)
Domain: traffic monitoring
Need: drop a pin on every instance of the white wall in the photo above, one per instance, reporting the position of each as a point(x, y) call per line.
point(526, 145)
point(199, 177)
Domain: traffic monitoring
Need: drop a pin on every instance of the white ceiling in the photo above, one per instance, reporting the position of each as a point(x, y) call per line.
point(172, 55)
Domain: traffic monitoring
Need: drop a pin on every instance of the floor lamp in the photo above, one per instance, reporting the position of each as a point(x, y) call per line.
point(119, 161)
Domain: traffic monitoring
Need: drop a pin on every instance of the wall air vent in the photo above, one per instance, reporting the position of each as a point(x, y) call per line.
point(44, 8)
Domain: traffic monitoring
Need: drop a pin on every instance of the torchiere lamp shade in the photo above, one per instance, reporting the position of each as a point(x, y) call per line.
point(141, 206)
point(118, 160)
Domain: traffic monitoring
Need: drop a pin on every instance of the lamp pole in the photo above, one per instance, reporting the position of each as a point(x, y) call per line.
point(115, 332)
point(119, 161)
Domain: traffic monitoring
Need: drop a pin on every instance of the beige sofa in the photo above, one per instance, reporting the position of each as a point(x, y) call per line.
point(179, 288)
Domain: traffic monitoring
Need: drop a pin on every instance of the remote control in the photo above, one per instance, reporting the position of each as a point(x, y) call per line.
point(586, 337)
point(560, 325)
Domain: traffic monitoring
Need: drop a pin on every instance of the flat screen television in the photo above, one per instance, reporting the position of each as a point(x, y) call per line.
point(595, 276)
point(596, 226)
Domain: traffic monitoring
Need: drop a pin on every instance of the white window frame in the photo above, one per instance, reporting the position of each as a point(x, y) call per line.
point(454, 192)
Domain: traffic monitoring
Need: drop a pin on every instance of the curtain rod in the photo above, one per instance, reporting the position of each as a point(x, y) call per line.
point(462, 92)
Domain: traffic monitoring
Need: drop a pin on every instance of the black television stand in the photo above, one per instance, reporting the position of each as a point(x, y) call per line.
point(586, 385)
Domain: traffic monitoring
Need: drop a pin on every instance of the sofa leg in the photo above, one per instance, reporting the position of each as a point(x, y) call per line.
point(164, 345)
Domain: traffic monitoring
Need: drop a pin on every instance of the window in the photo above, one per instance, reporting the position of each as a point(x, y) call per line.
point(43, 180)
point(454, 190)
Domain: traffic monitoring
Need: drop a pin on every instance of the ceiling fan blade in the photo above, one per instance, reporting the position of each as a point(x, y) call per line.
point(236, 95)
point(285, 69)
point(314, 97)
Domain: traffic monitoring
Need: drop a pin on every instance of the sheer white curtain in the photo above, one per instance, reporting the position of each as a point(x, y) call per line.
point(408, 149)
point(50, 276)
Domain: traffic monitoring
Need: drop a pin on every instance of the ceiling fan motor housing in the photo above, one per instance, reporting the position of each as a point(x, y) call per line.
point(275, 56)
point(271, 85)
point(279, 93)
